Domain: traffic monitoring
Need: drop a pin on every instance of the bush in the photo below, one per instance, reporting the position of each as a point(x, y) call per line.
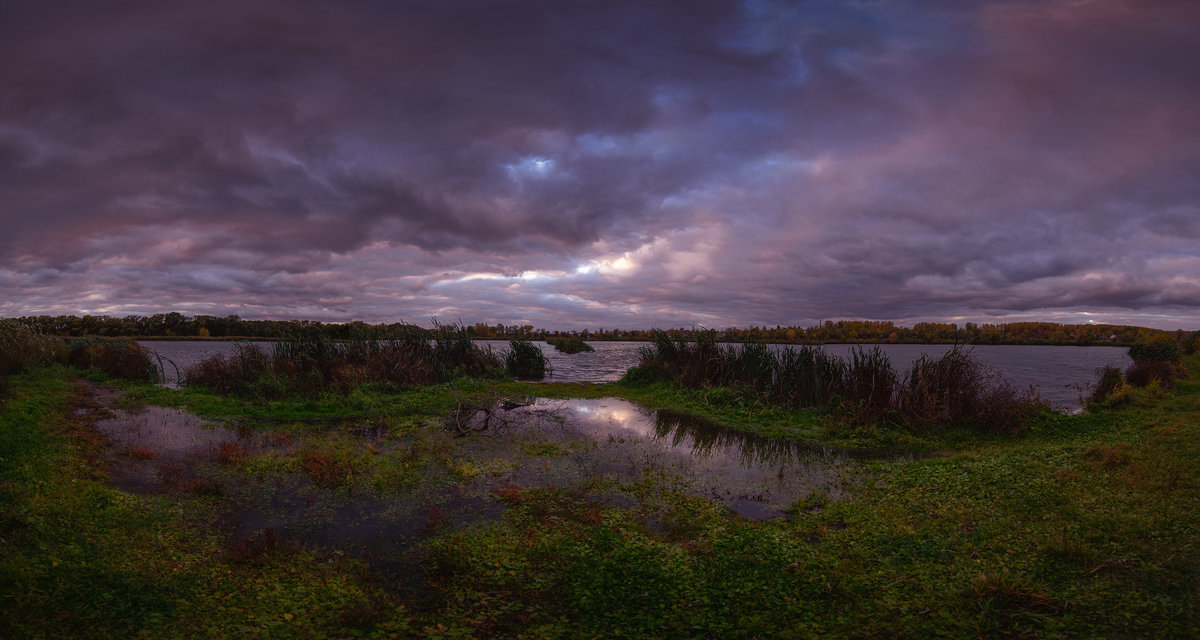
point(1162, 347)
point(1111, 382)
point(1142, 374)
point(525, 360)
point(645, 374)
point(312, 363)
point(570, 344)
point(1191, 342)
point(951, 390)
point(117, 358)
point(22, 348)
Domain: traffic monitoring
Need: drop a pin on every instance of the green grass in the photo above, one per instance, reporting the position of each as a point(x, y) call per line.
point(1087, 526)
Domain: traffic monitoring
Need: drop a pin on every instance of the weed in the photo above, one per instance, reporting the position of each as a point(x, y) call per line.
point(1114, 455)
point(122, 358)
point(260, 546)
point(312, 362)
point(435, 518)
point(570, 344)
point(180, 478)
point(140, 453)
point(22, 348)
point(525, 360)
point(327, 468)
point(1110, 382)
point(1161, 347)
point(950, 390)
point(510, 492)
point(1003, 592)
point(231, 452)
point(1142, 374)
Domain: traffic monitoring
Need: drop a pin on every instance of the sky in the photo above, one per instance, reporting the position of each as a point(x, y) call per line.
point(603, 163)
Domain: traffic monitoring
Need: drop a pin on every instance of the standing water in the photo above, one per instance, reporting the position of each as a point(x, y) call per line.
point(1057, 373)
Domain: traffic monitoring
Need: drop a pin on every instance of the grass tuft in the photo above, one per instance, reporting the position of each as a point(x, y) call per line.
point(525, 360)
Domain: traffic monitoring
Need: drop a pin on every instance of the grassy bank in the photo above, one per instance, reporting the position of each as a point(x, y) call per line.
point(1086, 526)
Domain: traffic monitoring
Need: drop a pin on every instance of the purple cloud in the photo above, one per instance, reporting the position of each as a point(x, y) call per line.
point(603, 163)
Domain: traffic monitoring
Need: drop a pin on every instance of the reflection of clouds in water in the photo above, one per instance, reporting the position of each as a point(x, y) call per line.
point(731, 467)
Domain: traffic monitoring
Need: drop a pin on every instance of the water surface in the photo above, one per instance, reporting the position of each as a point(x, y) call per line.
point(1056, 373)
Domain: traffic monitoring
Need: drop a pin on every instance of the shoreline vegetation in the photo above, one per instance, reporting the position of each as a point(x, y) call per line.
point(570, 344)
point(176, 326)
point(1038, 524)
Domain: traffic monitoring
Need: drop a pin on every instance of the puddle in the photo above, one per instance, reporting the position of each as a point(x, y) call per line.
point(156, 447)
point(157, 450)
point(757, 477)
point(608, 451)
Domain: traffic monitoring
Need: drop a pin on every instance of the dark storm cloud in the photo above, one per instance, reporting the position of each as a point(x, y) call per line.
point(631, 164)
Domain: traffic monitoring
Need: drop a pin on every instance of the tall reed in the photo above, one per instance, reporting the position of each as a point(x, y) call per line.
point(312, 362)
point(938, 392)
point(525, 360)
point(22, 348)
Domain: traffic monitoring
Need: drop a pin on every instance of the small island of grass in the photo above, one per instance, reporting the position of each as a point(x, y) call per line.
point(570, 344)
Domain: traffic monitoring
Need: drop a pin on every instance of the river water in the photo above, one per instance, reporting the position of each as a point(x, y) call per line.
point(1057, 373)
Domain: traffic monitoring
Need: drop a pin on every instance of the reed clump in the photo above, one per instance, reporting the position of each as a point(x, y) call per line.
point(118, 358)
point(937, 392)
point(22, 348)
point(525, 360)
point(311, 363)
point(570, 344)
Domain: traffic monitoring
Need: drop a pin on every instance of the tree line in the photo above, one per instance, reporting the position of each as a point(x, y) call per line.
point(843, 331)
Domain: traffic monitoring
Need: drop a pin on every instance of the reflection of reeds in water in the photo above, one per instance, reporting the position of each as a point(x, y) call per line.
point(706, 437)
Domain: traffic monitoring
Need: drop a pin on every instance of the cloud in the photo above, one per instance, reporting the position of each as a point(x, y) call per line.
point(744, 163)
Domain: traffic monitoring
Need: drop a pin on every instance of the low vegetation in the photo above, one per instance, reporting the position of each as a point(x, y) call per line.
point(570, 344)
point(312, 363)
point(1084, 526)
point(863, 390)
point(525, 361)
point(1157, 364)
point(177, 325)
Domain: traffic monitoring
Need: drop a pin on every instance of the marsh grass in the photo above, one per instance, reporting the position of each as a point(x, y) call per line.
point(1086, 529)
point(525, 361)
point(311, 363)
point(570, 344)
point(863, 389)
point(22, 348)
point(119, 358)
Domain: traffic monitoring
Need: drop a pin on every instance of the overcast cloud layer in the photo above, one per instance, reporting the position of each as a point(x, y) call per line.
point(621, 164)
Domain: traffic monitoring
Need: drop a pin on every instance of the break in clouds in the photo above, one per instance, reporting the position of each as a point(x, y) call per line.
point(632, 164)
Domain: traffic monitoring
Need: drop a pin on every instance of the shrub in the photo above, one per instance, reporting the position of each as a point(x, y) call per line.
point(1142, 374)
point(1162, 347)
point(570, 344)
point(312, 362)
point(1191, 342)
point(525, 360)
point(645, 374)
point(951, 390)
point(117, 358)
point(1111, 381)
point(869, 384)
point(22, 348)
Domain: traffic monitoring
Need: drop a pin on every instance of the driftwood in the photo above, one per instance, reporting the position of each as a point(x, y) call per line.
point(466, 418)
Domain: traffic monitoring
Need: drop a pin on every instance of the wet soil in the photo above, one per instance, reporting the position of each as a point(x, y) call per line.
point(360, 491)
